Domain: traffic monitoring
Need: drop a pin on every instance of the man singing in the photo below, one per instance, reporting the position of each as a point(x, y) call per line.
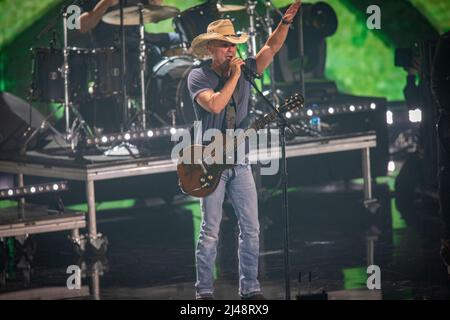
point(221, 94)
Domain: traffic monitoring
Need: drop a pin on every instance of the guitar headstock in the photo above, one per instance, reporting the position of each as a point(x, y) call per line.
point(295, 101)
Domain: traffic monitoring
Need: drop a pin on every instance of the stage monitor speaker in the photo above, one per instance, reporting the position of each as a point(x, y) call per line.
point(17, 116)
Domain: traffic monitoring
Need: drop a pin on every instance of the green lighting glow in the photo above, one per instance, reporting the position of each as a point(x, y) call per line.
point(359, 60)
point(15, 18)
point(355, 278)
point(8, 204)
point(437, 12)
point(106, 205)
point(397, 221)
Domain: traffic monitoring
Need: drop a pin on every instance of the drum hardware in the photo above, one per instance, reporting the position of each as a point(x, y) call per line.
point(267, 22)
point(125, 100)
point(251, 6)
point(66, 75)
point(79, 129)
point(141, 115)
point(142, 60)
point(132, 15)
point(228, 7)
point(172, 114)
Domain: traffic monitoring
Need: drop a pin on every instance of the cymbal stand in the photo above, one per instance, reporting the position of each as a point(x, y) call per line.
point(142, 60)
point(251, 6)
point(123, 49)
point(142, 64)
point(77, 132)
point(65, 74)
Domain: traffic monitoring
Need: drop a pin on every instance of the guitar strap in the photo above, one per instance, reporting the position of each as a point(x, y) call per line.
point(230, 109)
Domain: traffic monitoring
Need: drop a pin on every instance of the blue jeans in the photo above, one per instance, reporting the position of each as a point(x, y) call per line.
point(240, 186)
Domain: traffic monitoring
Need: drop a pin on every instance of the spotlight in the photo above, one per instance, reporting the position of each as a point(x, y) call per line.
point(309, 112)
point(149, 133)
point(288, 115)
point(373, 106)
point(415, 115)
point(391, 166)
point(352, 108)
point(330, 110)
point(389, 117)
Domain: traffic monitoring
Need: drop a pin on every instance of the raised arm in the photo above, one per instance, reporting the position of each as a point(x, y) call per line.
point(276, 40)
point(88, 20)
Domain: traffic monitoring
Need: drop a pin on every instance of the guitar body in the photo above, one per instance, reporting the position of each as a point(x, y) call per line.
point(195, 177)
point(198, 178)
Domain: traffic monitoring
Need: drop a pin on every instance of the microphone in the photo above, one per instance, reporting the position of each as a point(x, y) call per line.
point(250, 73)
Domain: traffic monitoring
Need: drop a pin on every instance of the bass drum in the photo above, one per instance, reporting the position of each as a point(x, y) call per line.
point(167, 91)
point(194, 21)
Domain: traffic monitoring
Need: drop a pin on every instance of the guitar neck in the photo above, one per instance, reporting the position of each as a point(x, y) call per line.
point(257, 125)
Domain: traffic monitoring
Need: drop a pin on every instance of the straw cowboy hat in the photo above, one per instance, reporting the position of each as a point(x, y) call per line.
point(222, 29)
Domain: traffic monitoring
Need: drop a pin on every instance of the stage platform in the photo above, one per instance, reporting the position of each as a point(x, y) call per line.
point(101, 167)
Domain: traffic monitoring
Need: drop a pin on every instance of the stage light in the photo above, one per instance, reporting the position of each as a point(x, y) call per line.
point(389, 117)
point(373, 106)
point(114, 138)
point(309, 112)
point(415, 115)
point(330, 110)
point(288, 115)
point(33, 189)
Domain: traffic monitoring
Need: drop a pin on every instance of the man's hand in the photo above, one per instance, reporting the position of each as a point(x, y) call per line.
point(235, 66)
point(290, 13)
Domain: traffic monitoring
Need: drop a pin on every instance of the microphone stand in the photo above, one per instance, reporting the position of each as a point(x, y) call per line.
point(283, 124)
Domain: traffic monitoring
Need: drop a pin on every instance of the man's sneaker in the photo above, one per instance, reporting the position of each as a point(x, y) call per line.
point(205, 296)
point(254, 296)
point(445, 253)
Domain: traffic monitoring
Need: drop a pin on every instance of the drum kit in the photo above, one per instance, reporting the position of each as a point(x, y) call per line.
point(74, 76)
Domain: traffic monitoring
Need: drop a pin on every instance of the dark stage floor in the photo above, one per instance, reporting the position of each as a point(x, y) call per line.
point(151, 251)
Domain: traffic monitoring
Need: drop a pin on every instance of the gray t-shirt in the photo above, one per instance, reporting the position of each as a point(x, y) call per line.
point(204, 78)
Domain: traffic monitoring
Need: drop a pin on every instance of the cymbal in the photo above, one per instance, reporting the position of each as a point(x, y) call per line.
point(151, 14)
point(229, 7)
